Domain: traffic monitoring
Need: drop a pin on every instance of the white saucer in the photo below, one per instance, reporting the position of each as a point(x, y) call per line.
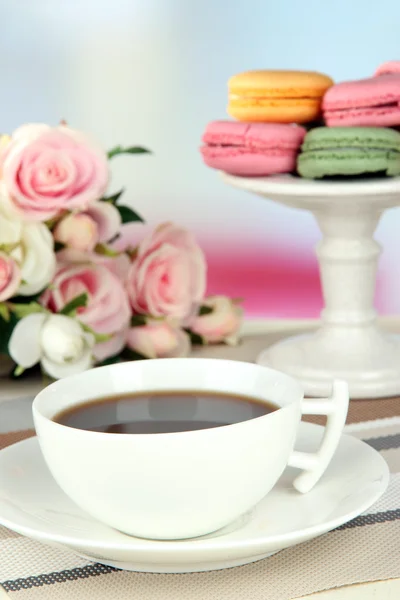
point(32, 504)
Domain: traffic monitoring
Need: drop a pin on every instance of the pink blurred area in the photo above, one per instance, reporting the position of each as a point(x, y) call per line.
point(270, 284)
point(273, 282)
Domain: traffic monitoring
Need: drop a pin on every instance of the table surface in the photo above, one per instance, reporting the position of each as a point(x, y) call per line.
point(18, 409)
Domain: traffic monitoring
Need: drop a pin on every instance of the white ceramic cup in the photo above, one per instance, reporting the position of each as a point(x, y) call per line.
point(186, 484)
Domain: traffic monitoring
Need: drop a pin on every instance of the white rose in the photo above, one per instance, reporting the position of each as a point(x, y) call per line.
point(38, 263)
point(31, 246)
point(10, 225)
point(58, 342)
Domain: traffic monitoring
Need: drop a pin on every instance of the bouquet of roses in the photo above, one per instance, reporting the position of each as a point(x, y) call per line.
point(72, 295)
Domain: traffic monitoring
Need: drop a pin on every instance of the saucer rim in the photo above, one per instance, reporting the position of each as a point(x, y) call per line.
point(211, 544)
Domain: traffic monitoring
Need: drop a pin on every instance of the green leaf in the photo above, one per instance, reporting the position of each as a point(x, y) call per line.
point(51, 223)
point(128, 354)
point(205, 310)
point(4, 312)
point(114, 198)
point(195, 338)
point(102, 337)
point(8, 248)
point(58, 246)
point(34, 371)
point(111, 360)
point(98, 337)
point(105, 250)
point(18, 371)
point(132, 252)
point(23, 310)
point(70, 309)
point(138, 320)
point(128, 150)
point(6, 329)
point(115, 238)
point(128, 215)
point(27, 299)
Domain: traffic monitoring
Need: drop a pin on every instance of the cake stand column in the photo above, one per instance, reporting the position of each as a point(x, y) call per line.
point(348, 257)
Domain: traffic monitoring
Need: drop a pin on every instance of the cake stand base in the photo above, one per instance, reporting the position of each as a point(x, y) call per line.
point(366, 358)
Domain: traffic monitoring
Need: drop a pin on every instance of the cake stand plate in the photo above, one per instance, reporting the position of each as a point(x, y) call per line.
point(349, 344)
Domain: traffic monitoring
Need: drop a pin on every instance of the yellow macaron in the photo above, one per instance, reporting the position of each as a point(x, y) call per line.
point(277, 96)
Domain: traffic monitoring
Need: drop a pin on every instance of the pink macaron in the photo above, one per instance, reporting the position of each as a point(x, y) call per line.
point(373, 102)
point(251, 149)
point(388, 67)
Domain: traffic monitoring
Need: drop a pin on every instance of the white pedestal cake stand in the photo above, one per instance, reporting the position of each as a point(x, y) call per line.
point(349, 344)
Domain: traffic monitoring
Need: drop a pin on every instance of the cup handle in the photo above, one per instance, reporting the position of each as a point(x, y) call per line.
point(314, 464)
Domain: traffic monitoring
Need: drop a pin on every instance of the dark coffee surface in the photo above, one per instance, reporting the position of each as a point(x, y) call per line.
point(163, 412)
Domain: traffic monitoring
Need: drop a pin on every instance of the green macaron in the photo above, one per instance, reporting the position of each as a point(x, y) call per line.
point(349, 151)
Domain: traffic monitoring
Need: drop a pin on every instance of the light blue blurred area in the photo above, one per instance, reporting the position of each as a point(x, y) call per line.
point(154, 72)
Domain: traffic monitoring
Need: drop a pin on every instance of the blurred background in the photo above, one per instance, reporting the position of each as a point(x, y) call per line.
point(154, 72)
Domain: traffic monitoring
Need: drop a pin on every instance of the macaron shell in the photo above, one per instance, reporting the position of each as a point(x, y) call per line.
point(251, 149)
point(372, 92)
point(275, 111)
point(315, 165)
point(349, 151)
point(254, 135)
point(390, 66)
point(225, 133)
point(245, 163)
point(280, 84)
point(373, 102)
point(277, 96)
point(364, 117)
point(328, 138)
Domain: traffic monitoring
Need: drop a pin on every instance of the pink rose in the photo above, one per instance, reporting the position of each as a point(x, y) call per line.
point(107, 310)
point(84, 230)
point(47, 170)
point(118, 265)
point(111, 347)
point(158, 339)
point(10, 277)
point(220, 323)
point(168, 276)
